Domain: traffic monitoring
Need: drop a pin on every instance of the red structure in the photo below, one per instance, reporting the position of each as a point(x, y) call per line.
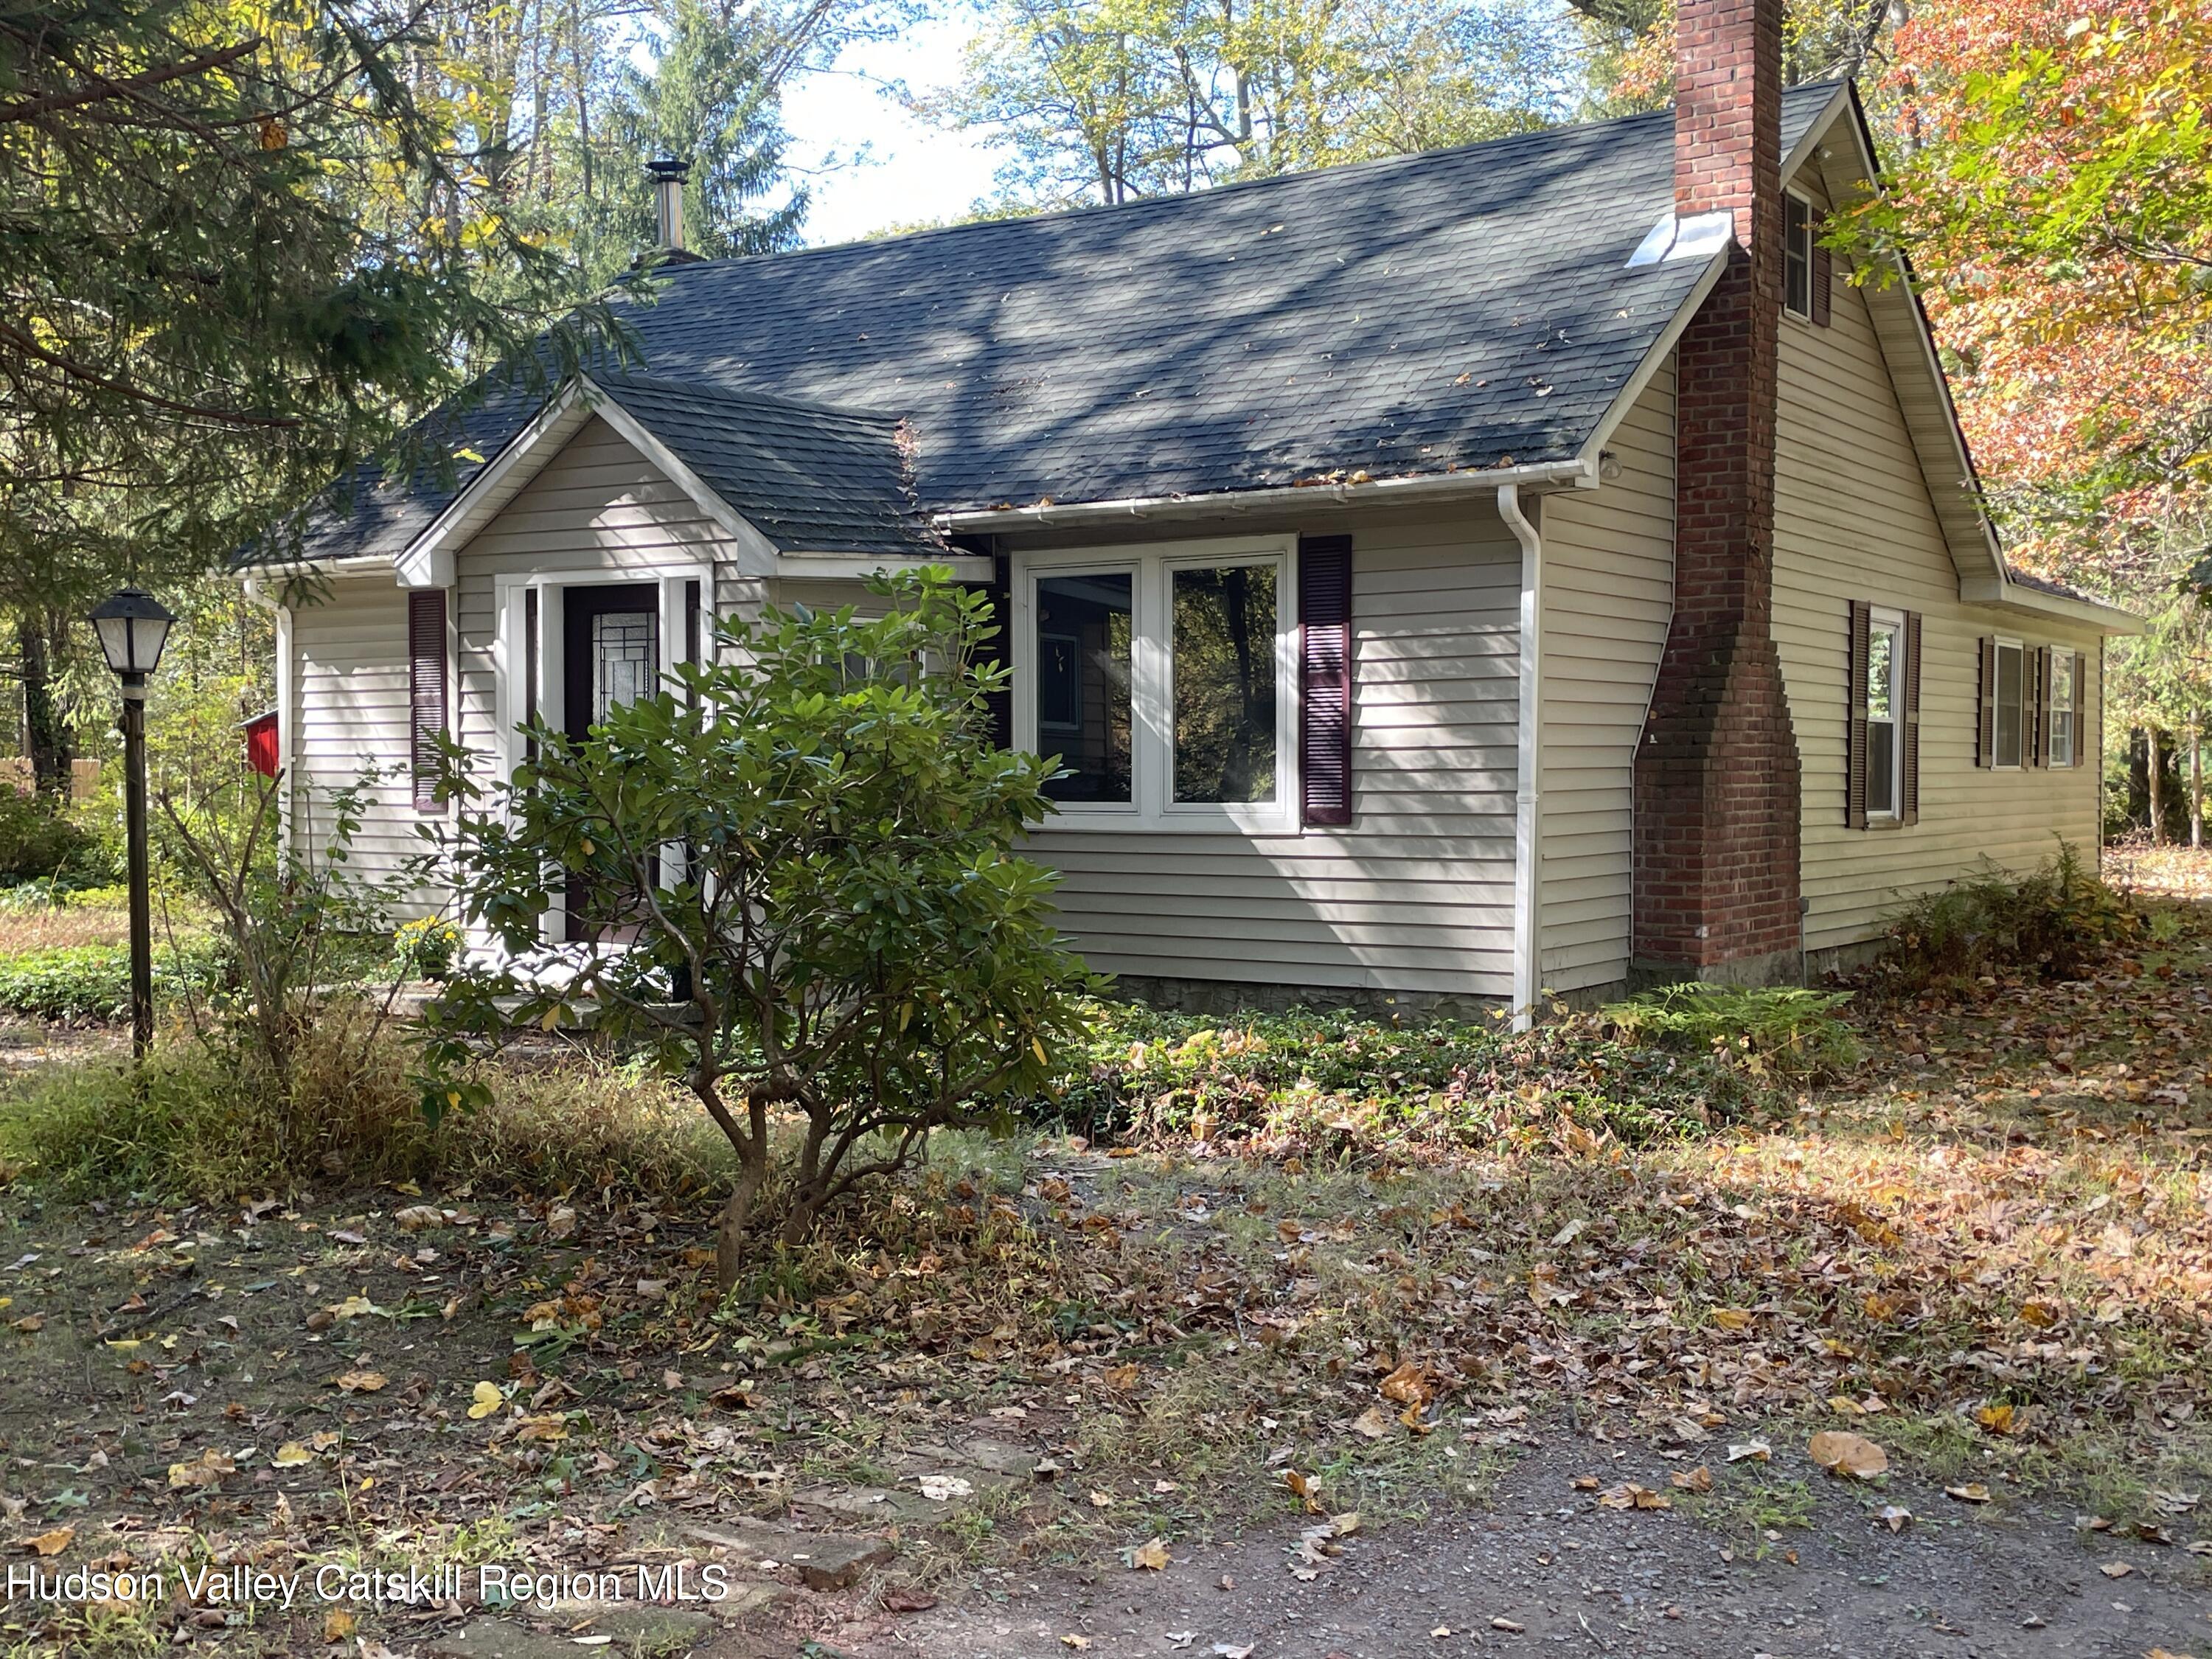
point(261, 744)
point(1717, 775)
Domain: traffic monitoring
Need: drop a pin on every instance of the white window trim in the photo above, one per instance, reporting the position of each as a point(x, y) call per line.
point(507, 703)
point(1789, 310)
point(507, 591)
point(2003, 643)
point(1882, 617)
point(1152, 691)
point(2063, 656)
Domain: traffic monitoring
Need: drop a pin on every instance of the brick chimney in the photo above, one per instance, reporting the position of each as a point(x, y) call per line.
point(1717, 775)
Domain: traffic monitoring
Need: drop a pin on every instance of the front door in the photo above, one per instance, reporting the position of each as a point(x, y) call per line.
point(610, 655)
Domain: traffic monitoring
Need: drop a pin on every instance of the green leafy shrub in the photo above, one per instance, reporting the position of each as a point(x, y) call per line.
point(2056, 922)
point(36, 839)
point(854, 940)
point(93, 981)
point(1785, 1029)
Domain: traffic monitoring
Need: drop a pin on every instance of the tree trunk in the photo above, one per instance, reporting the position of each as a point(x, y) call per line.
point(730, 1234)
point(2196, 786)
point(45, 731)
point(2157, 793)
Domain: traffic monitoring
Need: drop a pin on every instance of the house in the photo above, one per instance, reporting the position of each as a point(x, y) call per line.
point(1528, 566)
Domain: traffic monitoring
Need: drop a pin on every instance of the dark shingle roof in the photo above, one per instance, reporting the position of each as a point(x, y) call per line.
point(1449, 310)
point(811, 479)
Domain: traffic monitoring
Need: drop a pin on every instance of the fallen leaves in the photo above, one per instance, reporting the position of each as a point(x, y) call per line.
point(1628, 1495)
point(49, 1543)
point(943, 1488)
point(208, 1472)
point(1973, 1492)
point(291, 1456)
point(1852, 1456)
point(1410, 1384)
point(485, 1399)
point(1757, 1451)
point(2117, 1569)
point(360, 1382)
point(1150, 1556)
point(1373, 1424)
point(1697, 1479)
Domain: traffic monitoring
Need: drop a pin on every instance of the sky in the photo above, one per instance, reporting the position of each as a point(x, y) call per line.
point(909, 171)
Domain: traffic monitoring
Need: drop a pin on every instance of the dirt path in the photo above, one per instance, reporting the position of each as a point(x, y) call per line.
point(1547, 1568)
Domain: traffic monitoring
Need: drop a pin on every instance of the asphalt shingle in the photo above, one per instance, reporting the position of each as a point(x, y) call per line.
point(1460, 309)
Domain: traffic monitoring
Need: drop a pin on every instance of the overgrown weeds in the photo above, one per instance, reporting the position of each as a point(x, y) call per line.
point(1341, 1081)
point(1788, 1029)
point(2056, 922)
point(206, 1122)
point(89, 983)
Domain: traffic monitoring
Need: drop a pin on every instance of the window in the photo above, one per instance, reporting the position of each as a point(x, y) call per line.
point(426, 692)
point(2004, 724)
point(1162, 678)
point(1222, 664)
point(1086, 691)
point(2062, 722)
point(2010, 714)
point(1885, 705)
point(1797, 255)
point(1883, 786)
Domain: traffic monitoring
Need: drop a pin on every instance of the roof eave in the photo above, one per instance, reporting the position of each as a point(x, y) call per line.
point(2008, 595)
point(1376, 492)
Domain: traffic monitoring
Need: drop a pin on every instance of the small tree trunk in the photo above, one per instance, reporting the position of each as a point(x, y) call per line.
point(730, 1234)
point(2196, 787)
point(46, 734)
point(2157, 793)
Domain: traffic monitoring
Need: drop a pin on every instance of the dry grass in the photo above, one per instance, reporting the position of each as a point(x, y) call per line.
point(2170, 871)
point(45, 929)
point(203, 1123)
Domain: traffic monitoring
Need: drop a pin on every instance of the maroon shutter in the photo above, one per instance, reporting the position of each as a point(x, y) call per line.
point(1860, 644)
point(426, 689)
point(1985, 722)
point(1325, 679)
point(1824, 278)
point(2080, 706)
point(1908, 794)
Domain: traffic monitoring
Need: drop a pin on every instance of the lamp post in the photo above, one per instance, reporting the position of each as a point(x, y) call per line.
point(133, 626)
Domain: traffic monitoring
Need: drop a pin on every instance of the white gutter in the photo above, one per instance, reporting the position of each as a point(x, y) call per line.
point(1527, 790)
point(1378, 492)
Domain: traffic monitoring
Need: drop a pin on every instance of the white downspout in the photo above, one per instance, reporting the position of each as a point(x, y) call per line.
point(1527, 792)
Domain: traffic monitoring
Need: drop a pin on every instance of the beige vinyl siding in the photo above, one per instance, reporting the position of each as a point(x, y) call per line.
point(1854, 521)
point(1415, 895)
point(1609, 593)
point(348, 718)
point(598, 505)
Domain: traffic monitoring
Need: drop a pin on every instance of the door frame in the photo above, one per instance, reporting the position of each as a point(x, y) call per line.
point(549, 696)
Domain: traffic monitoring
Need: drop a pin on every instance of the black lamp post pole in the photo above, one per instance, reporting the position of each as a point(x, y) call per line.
point(142, 912)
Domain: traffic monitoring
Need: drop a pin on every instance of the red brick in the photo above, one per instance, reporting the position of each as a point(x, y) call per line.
point(1717, 775)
